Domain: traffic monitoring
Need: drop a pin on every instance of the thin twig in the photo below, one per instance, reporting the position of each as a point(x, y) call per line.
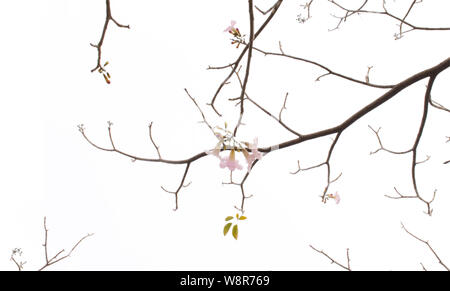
point(98, 46)
point(333, 261)
point(249, 60)
point(266, 111)
point(236, 63)
point(350, 12)
point(151, 139)
point(53, 260)
point(180, 186)
point(428, 245)
point(328, 70)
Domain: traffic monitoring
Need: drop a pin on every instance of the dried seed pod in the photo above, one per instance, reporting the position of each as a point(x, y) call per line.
point(106, 79)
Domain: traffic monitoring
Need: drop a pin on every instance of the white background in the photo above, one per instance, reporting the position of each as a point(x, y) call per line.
point(48, 169)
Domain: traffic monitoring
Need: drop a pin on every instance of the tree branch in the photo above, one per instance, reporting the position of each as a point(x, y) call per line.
point(414, 151)
point(333, 261)
point(338, 129)
point(180, 186)
point(429, 246)
point(235, 64)
point(53, 260)
point(328, 70)
point(249, 59)
point(385, 12)
point(99, 45)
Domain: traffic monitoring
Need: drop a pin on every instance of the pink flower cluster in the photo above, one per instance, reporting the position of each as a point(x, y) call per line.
point(230, 161)
point(254, 155)
point(233, 30)
point(238, 37)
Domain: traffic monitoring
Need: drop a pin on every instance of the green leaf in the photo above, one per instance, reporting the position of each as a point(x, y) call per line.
point(243, 218)
point(235, 231)
point(229, 218)
point(226, 228)
point(237, 215)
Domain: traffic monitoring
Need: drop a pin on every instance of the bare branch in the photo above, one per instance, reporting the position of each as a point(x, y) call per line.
point(200, 110)
point(438, 106)
point(268, 10)
point(413, 150)
point(350, 12)
point(300, 169)
point(433, 71)
point(327, 164)
point(249, 59)
point(429, 246)
point(406, 15)
point(367, 74)
point(99, 67)
point(266, 111)
point(236, 63)
point(180, 186)
point(307, 7)
point(430, 73)
point(329, 71)
point(55, 259)
point(82, 129)
point(283, 107)
point(382, 148)
point(151, 139)
point(241, 186)
point(19, 264)
point(333, 261)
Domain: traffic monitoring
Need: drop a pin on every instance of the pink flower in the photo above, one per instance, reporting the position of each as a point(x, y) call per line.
point(230, 162)
point(336, 197)
point(231, 27)
point(254, 155)
point(257, 155)
point(216, 150)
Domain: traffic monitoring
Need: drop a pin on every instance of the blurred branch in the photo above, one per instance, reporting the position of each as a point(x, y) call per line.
point(151, 139)
point(307, 7)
